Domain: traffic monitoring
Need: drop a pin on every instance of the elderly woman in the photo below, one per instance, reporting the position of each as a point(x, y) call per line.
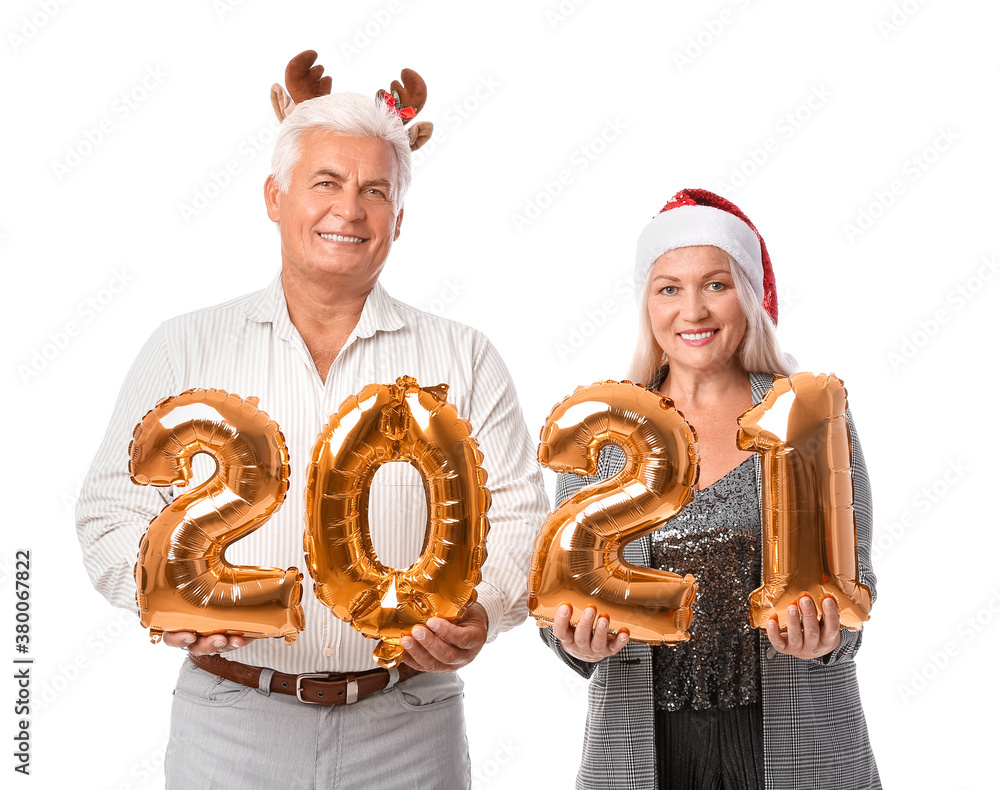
point(729, 708)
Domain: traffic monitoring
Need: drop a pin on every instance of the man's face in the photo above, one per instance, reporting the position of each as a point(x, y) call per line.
point(336, 218)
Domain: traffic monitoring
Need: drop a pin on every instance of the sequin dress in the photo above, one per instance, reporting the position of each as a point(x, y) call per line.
point(718, 539)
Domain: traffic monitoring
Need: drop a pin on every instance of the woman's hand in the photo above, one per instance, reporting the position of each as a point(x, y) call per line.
point(805, 636)
point(588, 642)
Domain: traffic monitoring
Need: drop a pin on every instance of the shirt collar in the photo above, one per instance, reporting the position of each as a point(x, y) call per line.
point(379, 313)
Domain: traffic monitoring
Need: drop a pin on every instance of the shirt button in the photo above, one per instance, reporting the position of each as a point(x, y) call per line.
point(328, 652)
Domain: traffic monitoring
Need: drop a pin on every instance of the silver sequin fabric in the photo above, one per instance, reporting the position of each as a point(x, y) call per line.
point(718, 539)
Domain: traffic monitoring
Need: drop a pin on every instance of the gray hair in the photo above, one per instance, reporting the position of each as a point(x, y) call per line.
point(349, 114)
point(758, 351)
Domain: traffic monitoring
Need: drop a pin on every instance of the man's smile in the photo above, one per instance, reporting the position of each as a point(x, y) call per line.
point(338, 237)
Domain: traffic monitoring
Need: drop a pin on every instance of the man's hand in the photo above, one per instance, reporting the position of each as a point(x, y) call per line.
point(806, 636)
point(446, 645)
point(204, 645)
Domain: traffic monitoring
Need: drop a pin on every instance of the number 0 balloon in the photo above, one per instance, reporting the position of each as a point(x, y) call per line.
point(183, 581)
point(578, 554)
point(810, 540)
point(384, 423)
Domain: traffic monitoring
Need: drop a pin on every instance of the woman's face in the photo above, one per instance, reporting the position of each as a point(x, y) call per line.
point(694, 309)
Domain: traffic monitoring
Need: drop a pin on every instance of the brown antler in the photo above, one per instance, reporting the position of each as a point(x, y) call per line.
point(303, 82)
point(407, 99)
point(412, 92)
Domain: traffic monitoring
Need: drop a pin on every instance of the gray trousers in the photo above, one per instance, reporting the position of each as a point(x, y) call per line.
point(224, 735)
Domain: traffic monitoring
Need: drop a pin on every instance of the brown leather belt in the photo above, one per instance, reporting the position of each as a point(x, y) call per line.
point(314, 688)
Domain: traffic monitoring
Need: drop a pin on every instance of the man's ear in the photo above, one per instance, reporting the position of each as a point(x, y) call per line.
point(272, 199)
point(399, 221)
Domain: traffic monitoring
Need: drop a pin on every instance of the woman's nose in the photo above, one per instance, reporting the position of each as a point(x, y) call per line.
point(693, 306)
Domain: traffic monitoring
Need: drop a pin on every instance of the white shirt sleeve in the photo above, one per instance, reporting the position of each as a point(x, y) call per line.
point(514, 478)
point(112, 512)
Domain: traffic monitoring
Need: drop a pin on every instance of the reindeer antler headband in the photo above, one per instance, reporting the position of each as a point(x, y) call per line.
point(306, 81)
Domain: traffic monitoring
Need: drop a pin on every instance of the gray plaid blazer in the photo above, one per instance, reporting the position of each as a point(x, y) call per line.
point(815, 736)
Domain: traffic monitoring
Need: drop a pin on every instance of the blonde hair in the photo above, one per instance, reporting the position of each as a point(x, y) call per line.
point(758, 351)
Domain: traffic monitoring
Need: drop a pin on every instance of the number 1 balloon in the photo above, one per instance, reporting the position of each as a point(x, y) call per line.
point(810, 539)
point(183, 580)
point(578, 553)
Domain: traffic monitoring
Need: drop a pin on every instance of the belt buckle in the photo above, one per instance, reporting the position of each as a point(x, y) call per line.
point(352, 687)
point(307, 676)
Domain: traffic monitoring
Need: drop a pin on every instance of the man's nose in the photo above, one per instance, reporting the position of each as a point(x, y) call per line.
point(348, 205)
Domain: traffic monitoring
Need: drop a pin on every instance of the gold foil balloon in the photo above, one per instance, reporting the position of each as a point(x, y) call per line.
point(182, 578)
point(578, 554)
point(384, 423)
point(810, 541)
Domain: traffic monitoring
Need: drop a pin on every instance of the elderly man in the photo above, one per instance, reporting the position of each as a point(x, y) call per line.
point(321, 331)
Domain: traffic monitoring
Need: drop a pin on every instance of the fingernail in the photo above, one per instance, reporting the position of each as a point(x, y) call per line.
point(805, 602)
point(602, 623)
point(407, 642)
point(189, 640)
point(219, 643)
point(434, 624)
point(563, 611)
point(419, 634)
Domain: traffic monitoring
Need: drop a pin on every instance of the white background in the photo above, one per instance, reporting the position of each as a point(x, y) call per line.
point(650, 97)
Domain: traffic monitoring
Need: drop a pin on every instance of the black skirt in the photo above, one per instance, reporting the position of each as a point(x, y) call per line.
point(714, 749)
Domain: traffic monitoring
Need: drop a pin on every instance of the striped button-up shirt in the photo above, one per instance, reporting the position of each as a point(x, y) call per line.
point(250, 347)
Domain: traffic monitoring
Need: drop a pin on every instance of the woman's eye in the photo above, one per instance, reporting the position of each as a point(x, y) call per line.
point(669, 290)
point(716, 286)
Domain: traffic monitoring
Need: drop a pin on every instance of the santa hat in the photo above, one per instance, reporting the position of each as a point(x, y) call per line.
point(695, 217)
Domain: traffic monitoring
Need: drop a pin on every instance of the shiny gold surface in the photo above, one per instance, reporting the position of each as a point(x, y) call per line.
point(578, 553)
point(810, 540)
point(182, 578)
point(383, 423)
